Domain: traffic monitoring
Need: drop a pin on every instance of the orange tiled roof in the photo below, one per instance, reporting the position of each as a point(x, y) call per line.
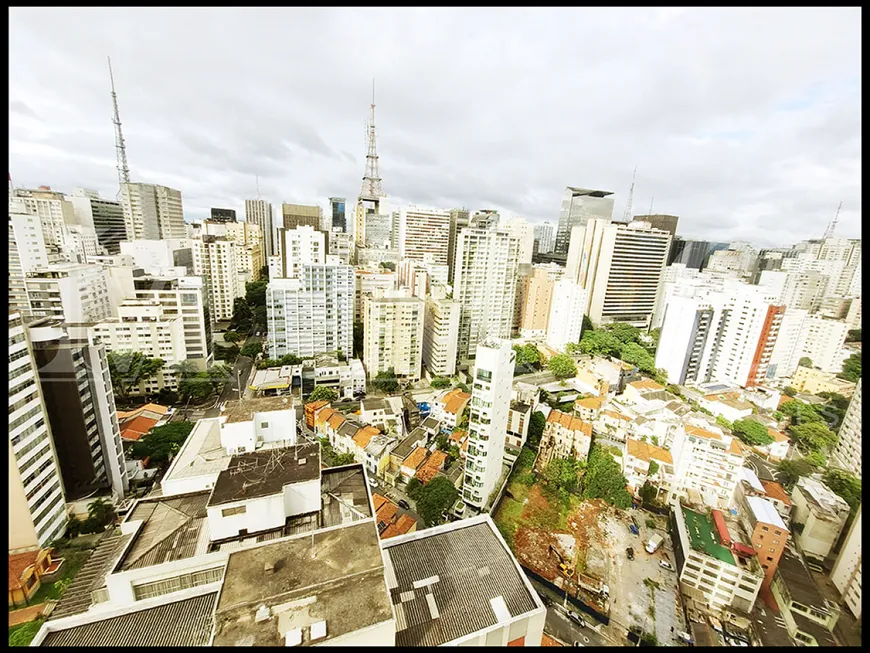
point(314, 406)
point(365, 435)
point(323, 416)
point(465, 445)
point(137, 427)
point(336, 420)
point(457, 436)
point(415, 458)
point(614, 414)
point(154, 408)
point(17, 564)
point(454, 401)
point(777, 436)
point(405, 523)
point(736, 447)
point(570, 422)
point(429, 469)
point(426, 473)
point(646, 452)
point(702, 433)
point(390, 531)
point(387, 512)
point(379, 500)
point(546, 640)
point(776, 491)
point(592, 403)
point(646, 384)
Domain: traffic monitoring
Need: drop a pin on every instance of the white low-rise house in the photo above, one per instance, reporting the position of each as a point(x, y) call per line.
point(822, 514)
point(764, 398)
point(519, 417)
point(613, 425)
point(776, 450)
point(346, 377)
point(637, 463)
point(727, 404)
point(636, 390)
point(448, 408)
point(386, 414)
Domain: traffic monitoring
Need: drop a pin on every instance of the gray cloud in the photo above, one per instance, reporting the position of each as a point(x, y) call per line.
point(744, 122)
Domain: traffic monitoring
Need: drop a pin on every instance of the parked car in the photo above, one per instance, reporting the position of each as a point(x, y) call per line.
point(372, 483)
point(686, 637)
point(404, 504)
point(630, 553)
point(576, 618)
point(633, 529)
point(664, 564)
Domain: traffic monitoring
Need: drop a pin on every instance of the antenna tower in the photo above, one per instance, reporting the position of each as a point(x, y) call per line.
point(121, 150)
point(626, 214)
point(650, 205)
point(829, 232)
point(371, 186)
point(258, 185)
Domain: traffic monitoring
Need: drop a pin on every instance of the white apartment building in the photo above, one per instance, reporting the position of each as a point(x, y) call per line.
point(37, 512)
point(143, 326)
point(259, 212)
point(69, 292)
point(152, 211)
point(214, 259)
point(783, 362)
point(566, 314)
point(440, 334)
point(487, 423)
point(523, 231)
point(821, 340)
point(303, 245)
point(27, 252)
point(485, 285)
point(312, 313)
point(707, 461)
point(847, 451)
point(545, 236)
point(846, 574)
point(53, 211)
point(186, 297)
point(619, 265)
point(393, 335)
point(424, 231)
point(420, 275)
point(341, 244)
point(158, 256)
point(105, 217)
point(249, 245)
point(366, 283)
point(797, 290)
point(821, 512)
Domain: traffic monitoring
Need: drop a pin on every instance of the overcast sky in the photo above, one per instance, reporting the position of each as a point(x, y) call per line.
point(744, 122)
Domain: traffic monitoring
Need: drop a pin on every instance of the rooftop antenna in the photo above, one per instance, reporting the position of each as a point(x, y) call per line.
point(829, 232)
point(626, 214)
point(371, 186)
point(651, 204)
point(258, 185)
point(120, 147)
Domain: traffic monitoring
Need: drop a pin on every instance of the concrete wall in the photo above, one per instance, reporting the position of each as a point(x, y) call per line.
point(300, 498)
point(382, 634)
point(260, 514)
point(188, 484)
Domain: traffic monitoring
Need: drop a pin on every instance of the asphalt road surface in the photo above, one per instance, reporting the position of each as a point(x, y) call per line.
point(241, 373)
point(559, 625)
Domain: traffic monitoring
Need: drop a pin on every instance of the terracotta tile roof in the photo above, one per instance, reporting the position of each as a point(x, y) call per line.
point(736, 447)
point(405, 523)
point(592, 403)
point(18, 563)
point(646, 384)
point(429, 469)
point(415, 458)
point(379, 500)
point(426, 473)
point(153, 408)
point(137, 427)
point(776, 491)
point(570, 422)
point(454, 401)
point(646, 452)
point(777, 436)
point(546, 640)
point(335, 421)
point(323, 416)
point(614, 414)
point(457, 436)
point(387, 512)
point(314, 406)
point(390, 531)
point(365, 435)
point(702, 433)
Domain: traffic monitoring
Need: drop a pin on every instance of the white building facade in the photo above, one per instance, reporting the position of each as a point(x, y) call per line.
point(567, 308)
point(393, 335)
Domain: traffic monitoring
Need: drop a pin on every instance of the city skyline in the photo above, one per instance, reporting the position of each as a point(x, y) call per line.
point(788, 138)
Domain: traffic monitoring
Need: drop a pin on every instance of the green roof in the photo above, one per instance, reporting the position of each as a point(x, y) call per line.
point(703, 536)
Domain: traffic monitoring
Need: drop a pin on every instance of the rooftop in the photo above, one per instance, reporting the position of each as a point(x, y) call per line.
point(453, 580)
point(703, 536)
point(765, 512)
point(201, 454)
point(416, 458)
point(304, 580)
point(592, 403)
point(646, 384)
point(793, 571)
point(134, 428)
point(263, 473)
point(374, 404)
point(569, 422)
point(775, 491)
point(454, 401)
point(748, 475)
point(406, 446)
point(244, 410)
point(180, 623)
point(647, 452)
point(431, 423)
point(270, 379)
point(821, 498)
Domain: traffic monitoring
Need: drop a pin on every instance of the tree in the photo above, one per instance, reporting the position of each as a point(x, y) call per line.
point(600, 343)
point(440, 382)
point(161, 442)
point(561, 474)
point(255, 293)
point(653, 468)
point(789, 471)
point(751, 432)
point(655, 335)
point(260, 315)
point(817, 459)
point(536, 428)
point(196, 387)
point(251, 349)
point(433, 498)
point(800, 412)
point(604, 479)
point(358, 334)
point(724, 423)
point(388, 265)
point(323, 393)
point(462, 387)
point(636, 355)
point(844, 484)
point(626, 333)
point(648, 493)
point(343, 459)
point(788, 391)
point(588, 325)
point(573, 348)
point(128, 368)
point(805, 361)
point(854, 335)
point(218, 375)
point(101, 511)
point(527, 354)
point(232, 336)
point(243, 317)
point(413, 488)
point(562, 366)
point(852, 368)
point(812, 436)
point(386, 381)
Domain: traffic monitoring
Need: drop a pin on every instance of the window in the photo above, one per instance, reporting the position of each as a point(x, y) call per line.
point(229, 512)
point(169, 585)
point(484, 375)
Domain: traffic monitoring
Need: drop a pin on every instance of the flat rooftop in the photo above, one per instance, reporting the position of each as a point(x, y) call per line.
point(335, 576)
point(798, 579)
point(263, 473)
point(201, 454)
point(244, 410)
point(453, 580)
point(703, 536)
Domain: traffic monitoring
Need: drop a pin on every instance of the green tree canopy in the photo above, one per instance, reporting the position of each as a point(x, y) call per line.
point(433, 498)
point(343, 459)
point(636, 355)
point(800, 412)
point(604, 479)
point(536, 428)
point(562, 366)
point(101, 511)
point(243, 316)
point(323, 393)
point(232, 336)
point(854, 335)
point(812, 436)
point(562, 473)
point(255, 293)
point(440, 382)
point(386, 381)
point(844, 484)
point(852, 368)
point(161, 442)
point(751, 432)
point(251, 349)
point(789, 471)
point(128, 368)
point(358, 334)
point(196, 387)
point(653, 467)
point(388, 265)
point(805, 361)
point(600, 343)
point(788, 391)
point(527, 354)
point(626, 333)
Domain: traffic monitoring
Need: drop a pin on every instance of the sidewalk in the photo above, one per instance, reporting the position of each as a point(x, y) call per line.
point(25, 615)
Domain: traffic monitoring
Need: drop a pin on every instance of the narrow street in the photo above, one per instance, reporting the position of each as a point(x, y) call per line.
point(560, 626)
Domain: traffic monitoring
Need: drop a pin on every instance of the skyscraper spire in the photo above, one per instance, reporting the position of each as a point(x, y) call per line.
point(371, 186)
point(121, 150)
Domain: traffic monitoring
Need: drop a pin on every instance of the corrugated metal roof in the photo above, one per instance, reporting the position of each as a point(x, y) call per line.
point(182, 623)
point(765, 512)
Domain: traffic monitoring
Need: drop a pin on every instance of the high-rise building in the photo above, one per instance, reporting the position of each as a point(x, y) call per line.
point(106, 217)
point(249, 245)
point(27, 252)
point(567, 307)
point(53, 210)
point(799, 290)
point(487, 423)
point(160, 256)
point(311, 313)
point(535, 296)
point(459, 219)
point(186, 297)
point(847, 451)
point(579, 205)
point(337, 211)
point(366, 284)
point(259, 212)
point(69, 292)
point(223, 215)
point(485, 285)
point(846, 574)
point(706, 461)
point(440, 333)
point(393, 334)
point(152, 211)
point(693, 253)
point(80, 404)
point(37, 508)
point(424, 231)
point(620, 265)
point(660, 221)
point(214, 259)
point(341, 244)
point(545, 237)
point(299, 215)
point(303, 245)
point(379, 231)
point(523, 231)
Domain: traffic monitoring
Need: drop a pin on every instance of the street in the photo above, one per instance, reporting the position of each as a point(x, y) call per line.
point(241, 372)
point(559, 625)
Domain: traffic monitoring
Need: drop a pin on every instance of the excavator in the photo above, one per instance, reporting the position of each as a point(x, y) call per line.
point(566, 569)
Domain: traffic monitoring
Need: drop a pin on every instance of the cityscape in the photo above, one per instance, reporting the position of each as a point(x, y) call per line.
point(313, 414)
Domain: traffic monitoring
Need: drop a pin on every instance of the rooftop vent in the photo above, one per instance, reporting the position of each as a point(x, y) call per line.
point(293, 637)
point(302, 461)
point(269, 568)
point(318, 630)
point(263, 613)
